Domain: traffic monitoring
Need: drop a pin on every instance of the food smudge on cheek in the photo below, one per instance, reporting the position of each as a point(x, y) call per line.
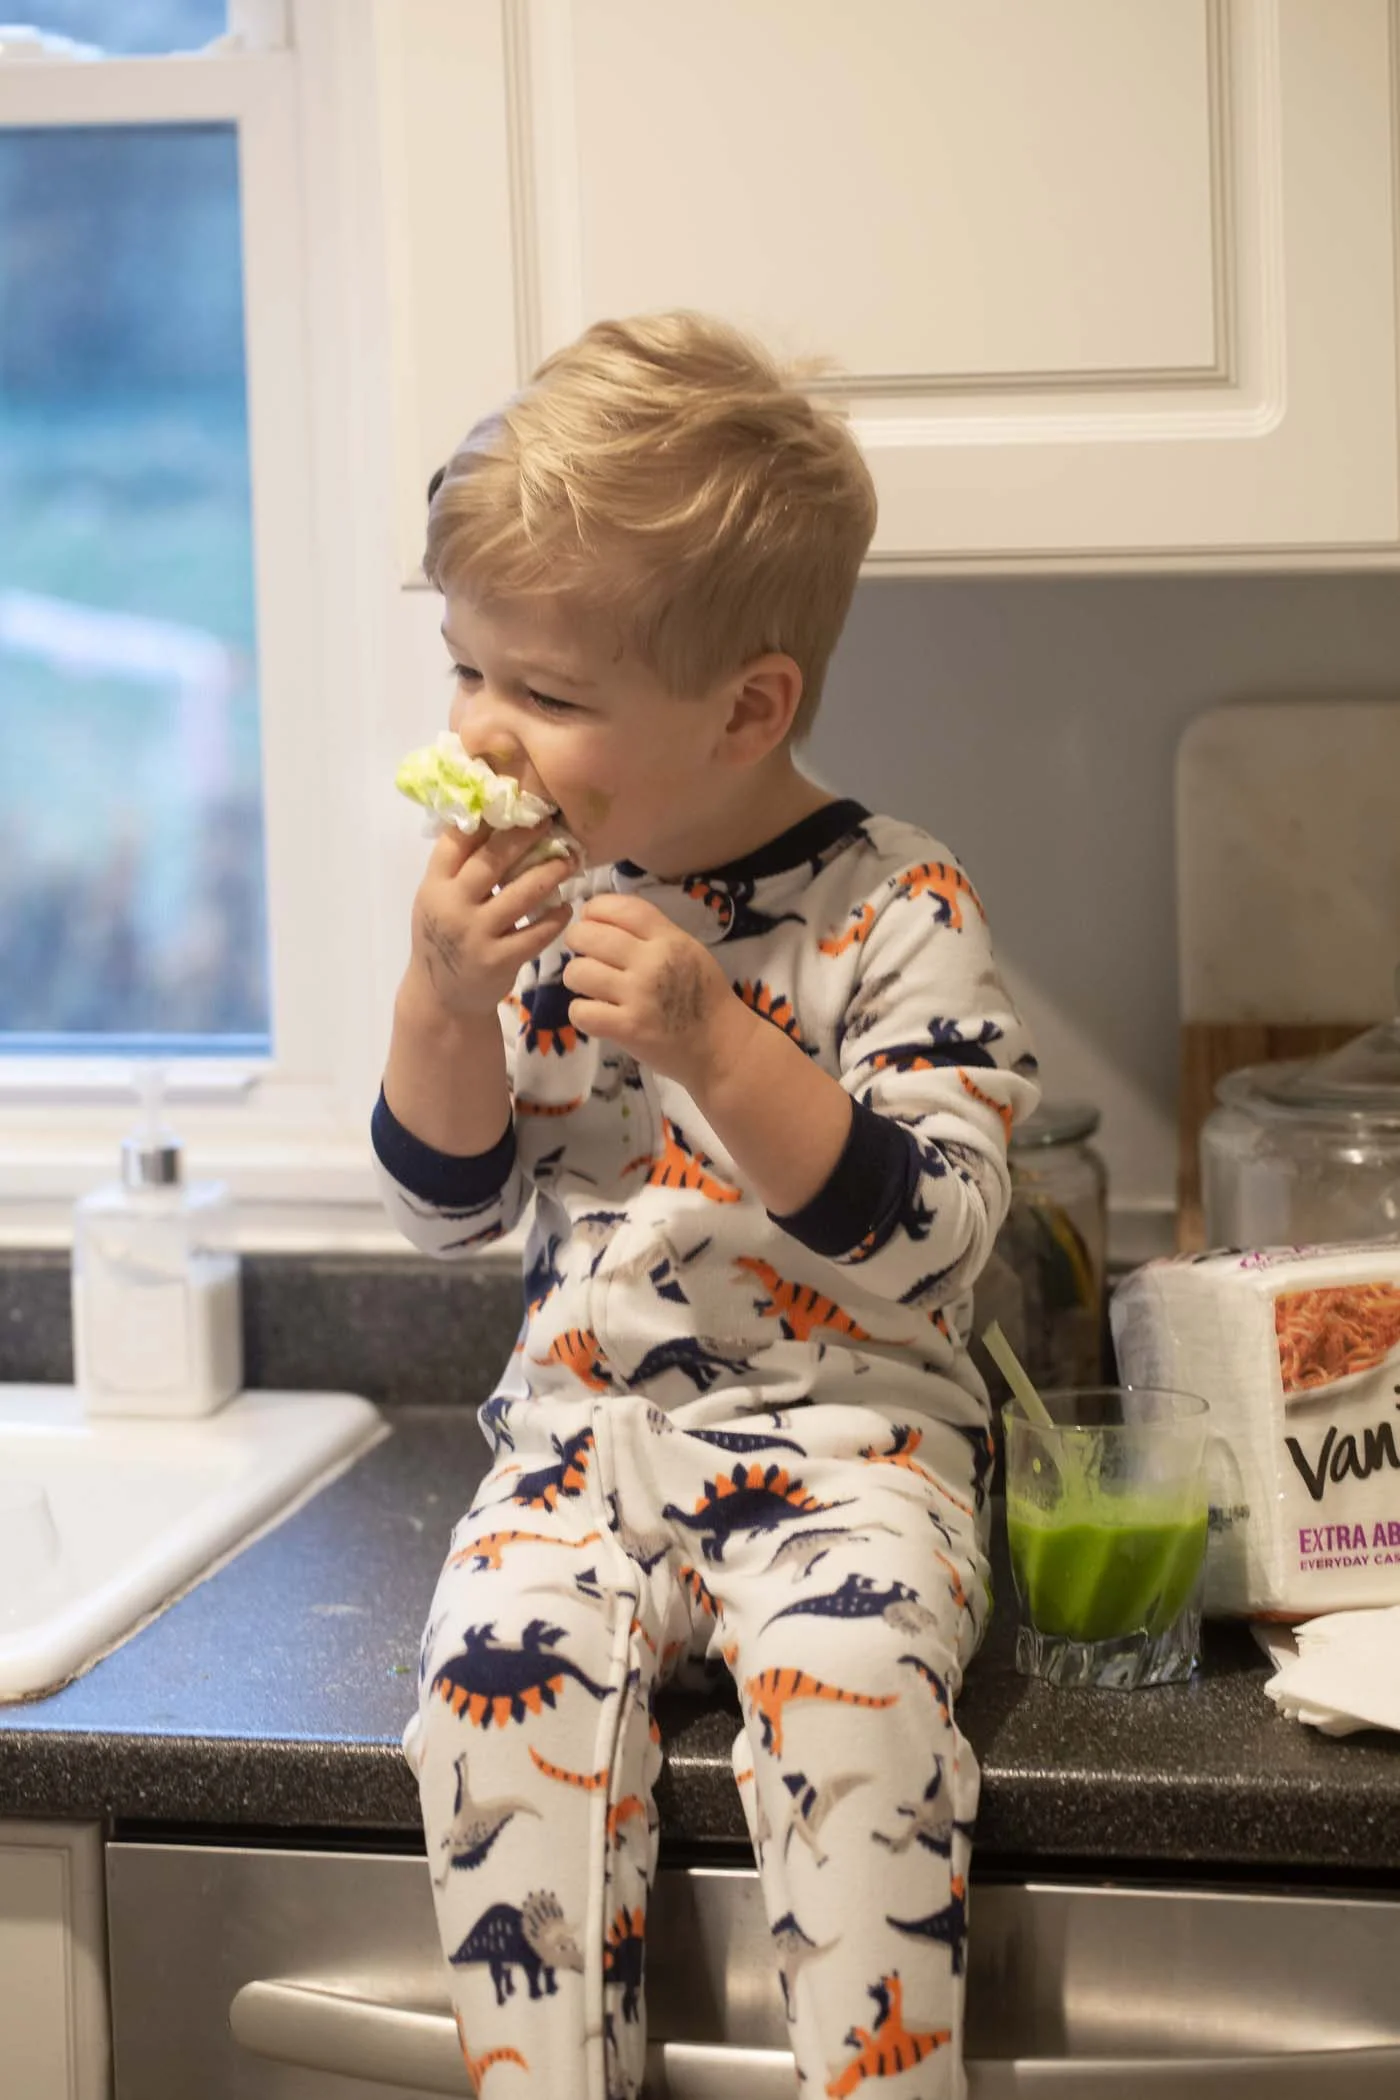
point(597, 805)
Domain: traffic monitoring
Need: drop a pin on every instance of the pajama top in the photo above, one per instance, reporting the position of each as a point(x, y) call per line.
point(650, 1268)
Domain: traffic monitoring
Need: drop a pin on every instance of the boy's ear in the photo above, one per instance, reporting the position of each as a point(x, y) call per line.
point(764, 698)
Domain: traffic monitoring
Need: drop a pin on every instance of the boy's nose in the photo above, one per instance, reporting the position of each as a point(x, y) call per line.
point(485, 735)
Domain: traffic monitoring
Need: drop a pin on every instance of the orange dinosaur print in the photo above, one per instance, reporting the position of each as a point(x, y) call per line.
point(586, 1782)
point(680, 1168)
point(486, 1552)
point(890, 2047)
point(524, 1106)
point(717, 902)
point(549, 1042)
point(622, 1812)
point(798, 1306)
point(565, 1475)
point(862, 923)
point(907, 1440)
point(478, 2066)
point(771, 1006)
point(901, 1061)
point(700, 1591)
point(624, 1955)
point(998, 1108)
point(934, 1682)
point(772, 1690)
point(954, 1580)
point(580, 1351)
point(940, 879)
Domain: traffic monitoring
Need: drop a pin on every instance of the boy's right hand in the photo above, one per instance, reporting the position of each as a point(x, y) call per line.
point(466, 946)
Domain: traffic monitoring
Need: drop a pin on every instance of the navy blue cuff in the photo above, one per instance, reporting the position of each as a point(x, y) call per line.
point(443, 1179)
point(869, 1189)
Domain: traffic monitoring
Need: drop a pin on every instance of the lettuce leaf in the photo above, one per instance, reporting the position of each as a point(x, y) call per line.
point(457, 789)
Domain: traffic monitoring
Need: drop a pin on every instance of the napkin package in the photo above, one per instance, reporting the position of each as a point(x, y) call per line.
point(1297, 1352)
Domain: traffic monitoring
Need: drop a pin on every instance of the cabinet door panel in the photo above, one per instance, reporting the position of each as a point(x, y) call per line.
point(843, 188)
point(1106, 282)
point(53, 1998)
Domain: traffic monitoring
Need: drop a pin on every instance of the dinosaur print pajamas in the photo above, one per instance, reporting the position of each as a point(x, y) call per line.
point(727, 1440)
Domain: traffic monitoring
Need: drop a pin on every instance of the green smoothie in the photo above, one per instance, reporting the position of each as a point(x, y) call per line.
point(1094, 1569)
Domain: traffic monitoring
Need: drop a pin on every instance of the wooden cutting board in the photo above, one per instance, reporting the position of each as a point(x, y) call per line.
point(1288, 893)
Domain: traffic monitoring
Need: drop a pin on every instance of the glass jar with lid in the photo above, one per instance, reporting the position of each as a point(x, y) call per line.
point(1044, 1281)
point(1307, 1152)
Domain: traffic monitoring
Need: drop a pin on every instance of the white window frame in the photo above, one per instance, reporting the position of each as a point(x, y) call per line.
point(291, 1136)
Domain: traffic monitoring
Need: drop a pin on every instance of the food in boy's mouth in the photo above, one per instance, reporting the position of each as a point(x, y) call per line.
point(459, 790)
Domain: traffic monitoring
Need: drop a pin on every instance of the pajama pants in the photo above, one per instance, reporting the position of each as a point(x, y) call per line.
point(827, 1557)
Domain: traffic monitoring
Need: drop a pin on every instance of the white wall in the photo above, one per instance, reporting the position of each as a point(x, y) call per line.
point(1032, 725)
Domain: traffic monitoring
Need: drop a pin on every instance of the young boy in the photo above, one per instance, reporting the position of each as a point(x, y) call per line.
point(759, 1082)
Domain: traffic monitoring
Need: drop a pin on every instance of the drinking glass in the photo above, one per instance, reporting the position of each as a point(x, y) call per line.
point(1106, 1515)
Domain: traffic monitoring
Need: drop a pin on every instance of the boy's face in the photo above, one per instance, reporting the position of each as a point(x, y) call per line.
point(546, 694)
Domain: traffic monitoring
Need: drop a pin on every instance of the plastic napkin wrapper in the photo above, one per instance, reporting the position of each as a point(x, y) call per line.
point(1296, 1350)
point(1339, 1672)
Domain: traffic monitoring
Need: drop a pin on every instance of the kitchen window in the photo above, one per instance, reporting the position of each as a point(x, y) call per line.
point(175, 480)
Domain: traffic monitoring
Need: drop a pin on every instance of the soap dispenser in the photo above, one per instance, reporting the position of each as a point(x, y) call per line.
point(157, 1311)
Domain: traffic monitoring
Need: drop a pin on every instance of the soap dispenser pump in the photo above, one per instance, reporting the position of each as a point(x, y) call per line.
point(157, 1311)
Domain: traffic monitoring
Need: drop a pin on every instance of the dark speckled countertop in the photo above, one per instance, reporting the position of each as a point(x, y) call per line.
point(271, 1697)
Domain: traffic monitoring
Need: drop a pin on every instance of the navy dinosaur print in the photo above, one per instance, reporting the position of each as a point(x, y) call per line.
point(933, 1681)
point(624, 1952)
point(737, 1440)
point(944, 1031)
point(733, 907)
point(687, 1354)
point(947, 1926)
point(929, 1824)
point(546, 1169)
point(531, 1936)
point(927, 1286)
point(859, 1019)
point(543, 1274)
point(547, 1029)
point(748, 1499)
point(794, 1949)
point(493, 1415)
point(493, 1682)
point(547, 1486)
point(978, 1439)
point(925, 1056)
point(858, 1597)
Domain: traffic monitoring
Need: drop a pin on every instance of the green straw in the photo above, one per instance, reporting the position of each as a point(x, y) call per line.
point(1013, 1371)
point(1073, 1480)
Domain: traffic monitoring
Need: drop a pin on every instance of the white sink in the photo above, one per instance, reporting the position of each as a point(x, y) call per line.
point(133, 1511)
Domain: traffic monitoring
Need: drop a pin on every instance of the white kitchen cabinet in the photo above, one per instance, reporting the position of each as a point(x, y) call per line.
point(1108, 282)
point(54, 2032)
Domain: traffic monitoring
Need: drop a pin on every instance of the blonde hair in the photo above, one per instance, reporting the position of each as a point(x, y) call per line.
point(665, 471)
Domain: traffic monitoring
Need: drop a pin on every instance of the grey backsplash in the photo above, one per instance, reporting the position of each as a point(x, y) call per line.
point(402, 1332)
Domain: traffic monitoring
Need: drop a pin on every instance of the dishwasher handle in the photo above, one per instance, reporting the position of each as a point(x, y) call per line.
point(321, 2029)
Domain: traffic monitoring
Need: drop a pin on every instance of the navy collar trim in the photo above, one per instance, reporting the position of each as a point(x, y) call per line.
point(800, 843)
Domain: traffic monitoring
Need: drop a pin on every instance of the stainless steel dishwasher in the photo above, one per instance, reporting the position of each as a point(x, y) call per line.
point(257, 1974)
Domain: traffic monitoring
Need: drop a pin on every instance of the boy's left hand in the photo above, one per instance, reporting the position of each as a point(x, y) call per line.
point(651, 989)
